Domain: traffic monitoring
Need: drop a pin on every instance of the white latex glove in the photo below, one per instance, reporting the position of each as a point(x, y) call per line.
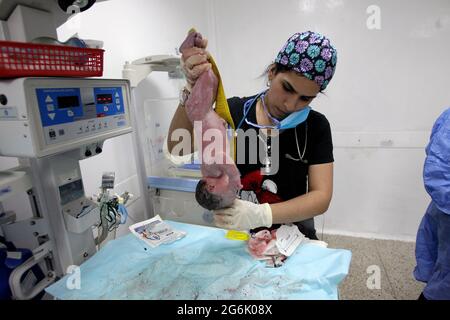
point(243, 215)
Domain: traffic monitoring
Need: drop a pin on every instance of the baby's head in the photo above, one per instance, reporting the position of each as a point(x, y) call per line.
point(207, 199)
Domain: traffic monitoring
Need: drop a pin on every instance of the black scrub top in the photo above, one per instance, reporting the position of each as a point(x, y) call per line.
point(291, 179)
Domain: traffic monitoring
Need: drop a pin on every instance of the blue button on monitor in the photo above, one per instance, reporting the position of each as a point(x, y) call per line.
point(58, 106)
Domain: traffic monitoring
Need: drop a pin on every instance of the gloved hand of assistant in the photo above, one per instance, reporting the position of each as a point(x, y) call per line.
point(194, 61)
point(243, 215)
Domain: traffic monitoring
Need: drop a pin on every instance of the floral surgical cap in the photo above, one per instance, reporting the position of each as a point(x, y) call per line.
point(310, 54)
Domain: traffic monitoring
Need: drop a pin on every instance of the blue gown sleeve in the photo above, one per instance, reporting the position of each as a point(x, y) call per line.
point(436, 173)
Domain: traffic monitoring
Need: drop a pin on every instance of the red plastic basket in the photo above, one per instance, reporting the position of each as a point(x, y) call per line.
point(22, 59)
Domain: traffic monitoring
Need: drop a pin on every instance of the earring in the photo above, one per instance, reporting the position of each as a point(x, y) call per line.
point(268, 83)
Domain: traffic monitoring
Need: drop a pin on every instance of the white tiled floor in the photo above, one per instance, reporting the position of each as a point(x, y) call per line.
point(396, 263)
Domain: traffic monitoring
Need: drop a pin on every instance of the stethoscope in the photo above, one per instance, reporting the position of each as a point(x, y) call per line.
point(268, 163)
point(247, 106)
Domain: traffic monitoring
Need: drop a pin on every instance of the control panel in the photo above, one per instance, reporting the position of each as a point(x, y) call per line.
point(44, 116)
point(70, 113)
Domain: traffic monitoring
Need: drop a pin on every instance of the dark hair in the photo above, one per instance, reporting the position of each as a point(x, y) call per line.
point(279, 68)
point(205, 198)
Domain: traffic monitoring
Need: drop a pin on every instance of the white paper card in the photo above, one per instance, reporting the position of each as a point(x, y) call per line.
point(155, 231)
point(288, 239)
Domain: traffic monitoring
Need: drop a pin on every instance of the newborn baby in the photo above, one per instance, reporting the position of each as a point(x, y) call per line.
point(221, 179)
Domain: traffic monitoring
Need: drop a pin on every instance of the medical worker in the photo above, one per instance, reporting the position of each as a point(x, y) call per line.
point(433, 236)
point(302, 186)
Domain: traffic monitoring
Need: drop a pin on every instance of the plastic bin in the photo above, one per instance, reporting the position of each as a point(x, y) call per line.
point(23, 59)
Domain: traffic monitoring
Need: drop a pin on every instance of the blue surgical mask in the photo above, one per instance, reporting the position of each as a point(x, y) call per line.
point(295, 118)
point(291, 121)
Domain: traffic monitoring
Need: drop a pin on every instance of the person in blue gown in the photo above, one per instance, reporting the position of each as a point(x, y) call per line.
point(433, 236)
